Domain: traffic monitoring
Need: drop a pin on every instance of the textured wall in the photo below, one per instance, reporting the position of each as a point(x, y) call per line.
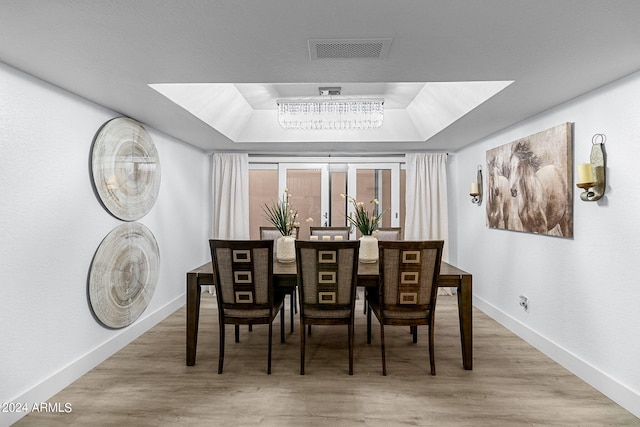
point(584, 291)
point(51, 225)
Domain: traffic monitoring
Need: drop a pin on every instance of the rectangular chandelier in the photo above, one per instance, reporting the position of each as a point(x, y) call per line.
point(331, 113)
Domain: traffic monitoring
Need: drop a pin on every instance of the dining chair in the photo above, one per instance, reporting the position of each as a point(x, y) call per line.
point(330, 231)
point(327, 279)
point(243, 277)
point(384, 234)
point(407, 290)
point(272, 233)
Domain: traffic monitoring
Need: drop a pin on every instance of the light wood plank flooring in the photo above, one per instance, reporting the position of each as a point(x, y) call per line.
point(512, 384)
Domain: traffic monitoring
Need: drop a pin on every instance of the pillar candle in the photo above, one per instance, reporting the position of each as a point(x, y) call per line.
point(326, 237)
point(337, 238)
point(474, 188)
point(313, 238)
point(585, 173)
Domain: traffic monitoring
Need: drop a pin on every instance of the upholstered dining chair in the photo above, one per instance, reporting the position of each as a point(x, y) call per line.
point(384, 234)
point(272, 233)
point(327, 279)
point(243, 277)
point(330, 231)
point(407, 290)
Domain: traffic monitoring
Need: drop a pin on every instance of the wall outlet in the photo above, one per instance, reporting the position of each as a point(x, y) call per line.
point(524, 303)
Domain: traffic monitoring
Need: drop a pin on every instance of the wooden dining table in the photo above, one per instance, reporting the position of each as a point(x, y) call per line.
point(285, 277)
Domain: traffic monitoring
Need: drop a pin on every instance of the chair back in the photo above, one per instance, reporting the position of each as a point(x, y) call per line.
point(243, 271)
point(272, 233)
point(330, 231)
point(389, 233)
point(327, 276)
point(408, 274)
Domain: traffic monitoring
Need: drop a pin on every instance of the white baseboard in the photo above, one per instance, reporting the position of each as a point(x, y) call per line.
point(55, 383)
point(606, 385)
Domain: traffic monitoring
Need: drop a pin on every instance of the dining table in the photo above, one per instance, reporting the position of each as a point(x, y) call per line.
point(285, 277)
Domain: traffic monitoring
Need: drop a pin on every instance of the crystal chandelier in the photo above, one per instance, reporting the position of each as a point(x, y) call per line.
point(327, 112)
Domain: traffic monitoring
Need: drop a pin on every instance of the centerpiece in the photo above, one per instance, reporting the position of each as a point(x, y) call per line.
point(365, 222)
point(283, 215)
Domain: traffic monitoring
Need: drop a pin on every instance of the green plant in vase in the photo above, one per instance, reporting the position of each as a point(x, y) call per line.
point(363, 220)
point(283, 215)
point(366, 222)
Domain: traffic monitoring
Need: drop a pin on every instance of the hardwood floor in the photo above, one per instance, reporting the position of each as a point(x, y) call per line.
point(148, 384)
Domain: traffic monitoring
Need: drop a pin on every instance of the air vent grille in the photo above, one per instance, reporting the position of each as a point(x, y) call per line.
point(349, 48)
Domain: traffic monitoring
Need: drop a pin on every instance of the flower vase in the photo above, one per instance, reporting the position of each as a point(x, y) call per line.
point(368, 249)
point(286, 249)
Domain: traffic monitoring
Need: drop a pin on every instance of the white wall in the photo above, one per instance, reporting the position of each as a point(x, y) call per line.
point(51, 225)
point(584, 292)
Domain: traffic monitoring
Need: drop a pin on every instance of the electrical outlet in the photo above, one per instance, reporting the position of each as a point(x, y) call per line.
point(524, 302)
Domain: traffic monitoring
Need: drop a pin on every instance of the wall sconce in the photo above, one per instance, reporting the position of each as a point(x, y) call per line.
point(592, 176)
point(476, 188)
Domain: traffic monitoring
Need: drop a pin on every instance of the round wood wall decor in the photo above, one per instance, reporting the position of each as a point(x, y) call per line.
point(125, 168)
point(123, 276)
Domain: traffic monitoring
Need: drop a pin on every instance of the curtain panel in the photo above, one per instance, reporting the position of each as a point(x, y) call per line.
point(230, 183)
point(426, 215)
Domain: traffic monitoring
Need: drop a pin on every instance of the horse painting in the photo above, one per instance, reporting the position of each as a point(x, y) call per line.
point(500, 207)
point(539, 191)
point(529, 184)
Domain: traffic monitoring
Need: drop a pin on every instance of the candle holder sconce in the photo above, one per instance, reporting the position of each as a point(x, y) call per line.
point(592, 175)
point(476, 188)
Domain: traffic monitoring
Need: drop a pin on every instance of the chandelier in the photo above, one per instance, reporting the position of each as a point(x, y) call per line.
point(329, 112)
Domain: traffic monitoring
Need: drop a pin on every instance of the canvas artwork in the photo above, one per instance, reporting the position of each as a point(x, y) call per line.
point(529, 184)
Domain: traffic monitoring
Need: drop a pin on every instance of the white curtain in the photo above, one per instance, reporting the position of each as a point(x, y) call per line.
point(426, 199)
point(230, 178)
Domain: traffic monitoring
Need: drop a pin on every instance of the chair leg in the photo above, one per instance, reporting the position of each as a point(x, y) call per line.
point(414, 331)
point(221, 349)
point(270, 346)
point(282, 309)
point(237, 327)
point(432, 360)
point(351, 347)
point(250, 328)
point(302, 344)
point(384, 357)
point(309, 326)
point(282, 325)
point(369, 325)
point(292, 307)
point(364, 311)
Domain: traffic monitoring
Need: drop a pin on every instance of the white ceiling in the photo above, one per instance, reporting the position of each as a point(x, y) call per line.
point(135, 56)
point(247, 112)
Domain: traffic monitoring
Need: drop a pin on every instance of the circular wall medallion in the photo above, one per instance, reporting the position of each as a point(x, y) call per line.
point(123, 276)
point(125, 168)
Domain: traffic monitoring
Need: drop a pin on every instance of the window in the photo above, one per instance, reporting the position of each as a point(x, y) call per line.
point(316, 186)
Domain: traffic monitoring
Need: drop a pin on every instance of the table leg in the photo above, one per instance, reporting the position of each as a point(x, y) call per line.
point(466, 321)
point(193, 315)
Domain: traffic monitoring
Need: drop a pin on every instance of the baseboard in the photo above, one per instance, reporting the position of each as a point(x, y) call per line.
point(58, 381)
point(606, 385)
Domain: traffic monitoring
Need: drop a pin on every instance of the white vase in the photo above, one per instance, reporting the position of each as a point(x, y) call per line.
point(368, 249)
point(286, 249)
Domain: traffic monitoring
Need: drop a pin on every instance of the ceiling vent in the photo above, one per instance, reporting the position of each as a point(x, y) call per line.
point(349, 48)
